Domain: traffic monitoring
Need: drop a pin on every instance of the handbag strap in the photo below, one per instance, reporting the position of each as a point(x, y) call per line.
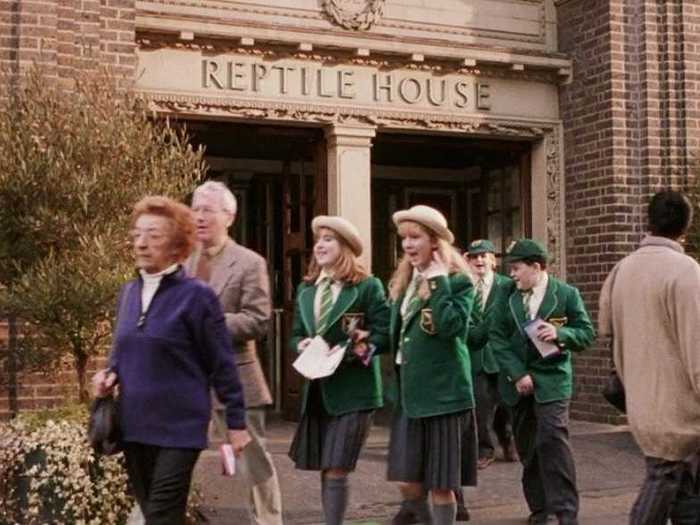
point(121, 302)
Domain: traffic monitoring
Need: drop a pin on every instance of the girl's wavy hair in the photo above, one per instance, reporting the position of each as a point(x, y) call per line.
point(347, 267)
point(404, 271)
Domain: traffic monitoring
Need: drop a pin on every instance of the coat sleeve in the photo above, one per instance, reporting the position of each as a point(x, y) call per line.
point(478, 332)
point(377, 316)
point(502, 334)
point(578, 334)
point(298, 332)
point(451, 300)
point(605, 327)
point(685, 313)
point(113, 360)
point(213, 341)
point(251, 321)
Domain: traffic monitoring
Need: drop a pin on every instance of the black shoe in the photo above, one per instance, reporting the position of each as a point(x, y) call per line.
point(404, 517)
point(462, 513)
point(538, 518)
point(567, 518)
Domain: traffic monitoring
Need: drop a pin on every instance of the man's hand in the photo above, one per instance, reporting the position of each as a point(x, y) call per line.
point(303, 344)
point(525, 385)
point(103, 383)
point(547, 332)
point(238, 439)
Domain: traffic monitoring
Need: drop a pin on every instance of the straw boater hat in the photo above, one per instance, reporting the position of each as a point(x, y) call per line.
point(428, 217)
point(342, 227)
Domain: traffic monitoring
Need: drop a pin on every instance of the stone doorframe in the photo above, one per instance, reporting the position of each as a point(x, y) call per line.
point(349, 132)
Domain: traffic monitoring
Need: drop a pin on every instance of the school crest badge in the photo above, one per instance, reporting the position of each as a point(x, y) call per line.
point(426, 321)
point(353, 321)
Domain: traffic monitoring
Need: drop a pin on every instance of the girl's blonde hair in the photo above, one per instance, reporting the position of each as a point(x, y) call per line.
point(347, 267)
point(404, 271)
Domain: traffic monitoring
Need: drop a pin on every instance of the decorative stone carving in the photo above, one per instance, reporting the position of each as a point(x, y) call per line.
point(555, 190)
point(357, 15)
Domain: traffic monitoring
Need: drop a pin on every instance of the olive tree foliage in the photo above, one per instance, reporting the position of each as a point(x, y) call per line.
point(73, 162)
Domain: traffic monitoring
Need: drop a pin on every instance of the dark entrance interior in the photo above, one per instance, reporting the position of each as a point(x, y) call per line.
point(481, 186)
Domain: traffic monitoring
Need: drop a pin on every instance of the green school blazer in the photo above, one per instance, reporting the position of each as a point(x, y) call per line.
point(353, 386)
point(553, 377)
point(435, 374)
point(478, 342)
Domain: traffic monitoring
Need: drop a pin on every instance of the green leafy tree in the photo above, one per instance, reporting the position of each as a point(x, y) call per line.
point(73, 162)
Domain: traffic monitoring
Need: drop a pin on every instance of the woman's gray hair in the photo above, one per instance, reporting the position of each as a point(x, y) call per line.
point(227, 199)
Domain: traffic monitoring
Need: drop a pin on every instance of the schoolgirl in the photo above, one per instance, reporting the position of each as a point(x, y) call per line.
point(433, 445)
point(340, 302)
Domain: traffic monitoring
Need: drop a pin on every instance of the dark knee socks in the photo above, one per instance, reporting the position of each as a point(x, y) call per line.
point(334, 494)
point(420, 509)
point(445, 514)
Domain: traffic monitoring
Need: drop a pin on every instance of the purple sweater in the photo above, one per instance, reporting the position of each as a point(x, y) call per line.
point(168, 360)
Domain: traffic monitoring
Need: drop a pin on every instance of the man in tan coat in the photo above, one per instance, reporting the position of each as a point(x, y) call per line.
point(240, 279)
point(650, 305)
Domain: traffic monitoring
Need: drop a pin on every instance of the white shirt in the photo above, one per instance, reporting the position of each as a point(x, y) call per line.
point(538, 292)
point(151, 281)
point(336, 287)
point(488, 280)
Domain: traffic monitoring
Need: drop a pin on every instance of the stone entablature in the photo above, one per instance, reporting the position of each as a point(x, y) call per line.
point(515, 33)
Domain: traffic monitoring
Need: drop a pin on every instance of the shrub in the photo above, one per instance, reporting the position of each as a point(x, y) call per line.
point(49, 474)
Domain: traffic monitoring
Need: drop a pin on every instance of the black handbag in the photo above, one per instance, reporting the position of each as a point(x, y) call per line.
point(104, 433)
point(614, 390)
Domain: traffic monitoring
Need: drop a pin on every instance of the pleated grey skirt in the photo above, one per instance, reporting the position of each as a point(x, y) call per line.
point(323, 441)
point(440, 452)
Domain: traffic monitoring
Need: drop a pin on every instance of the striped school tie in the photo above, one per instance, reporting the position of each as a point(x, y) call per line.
point(415, 302)
point(326, 305)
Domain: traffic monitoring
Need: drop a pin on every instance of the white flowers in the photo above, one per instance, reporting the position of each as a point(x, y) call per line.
point(49, 473)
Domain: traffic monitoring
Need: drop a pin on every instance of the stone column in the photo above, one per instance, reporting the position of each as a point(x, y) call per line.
point(349, 174)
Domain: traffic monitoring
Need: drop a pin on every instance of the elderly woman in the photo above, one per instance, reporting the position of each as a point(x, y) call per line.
point(170, 347)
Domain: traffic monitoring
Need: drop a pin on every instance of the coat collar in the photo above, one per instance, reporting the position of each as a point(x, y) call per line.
point(654, 240)
point(549, 303)
point(345, 299)
point(221, 266)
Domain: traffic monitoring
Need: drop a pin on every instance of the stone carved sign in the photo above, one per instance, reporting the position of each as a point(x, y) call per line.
point(358, 15)
point(355, 88)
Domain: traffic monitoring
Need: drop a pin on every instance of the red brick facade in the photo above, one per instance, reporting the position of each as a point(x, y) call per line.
point(630, 126)
point(68, 35)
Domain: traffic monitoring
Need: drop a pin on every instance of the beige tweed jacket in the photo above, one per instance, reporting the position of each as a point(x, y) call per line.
point(240, 279)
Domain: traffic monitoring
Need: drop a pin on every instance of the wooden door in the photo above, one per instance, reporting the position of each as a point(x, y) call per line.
point(304, 190)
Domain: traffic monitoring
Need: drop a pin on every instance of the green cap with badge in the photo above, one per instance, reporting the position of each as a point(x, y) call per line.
point(526, 249)
point(480, 246)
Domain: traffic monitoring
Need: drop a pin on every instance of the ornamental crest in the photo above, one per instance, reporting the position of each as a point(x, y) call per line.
point(358, 15)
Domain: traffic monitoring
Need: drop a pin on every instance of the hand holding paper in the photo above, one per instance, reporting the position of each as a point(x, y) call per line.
point(536, 330)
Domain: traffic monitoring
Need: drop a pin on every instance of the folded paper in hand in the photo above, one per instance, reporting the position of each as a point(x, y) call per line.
point(228, 460)
point(545, 348)
point(318, 360)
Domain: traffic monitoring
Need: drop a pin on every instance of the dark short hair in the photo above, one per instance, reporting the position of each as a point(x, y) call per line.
point(670, 214)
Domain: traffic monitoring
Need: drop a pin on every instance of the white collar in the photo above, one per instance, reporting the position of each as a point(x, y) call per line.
point(541, 285)
point(158, 276)
point(325, 275)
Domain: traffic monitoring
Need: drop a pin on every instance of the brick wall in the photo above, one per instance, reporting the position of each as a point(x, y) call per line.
point(68, 35)
point(630, 121)
point(63, 37)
